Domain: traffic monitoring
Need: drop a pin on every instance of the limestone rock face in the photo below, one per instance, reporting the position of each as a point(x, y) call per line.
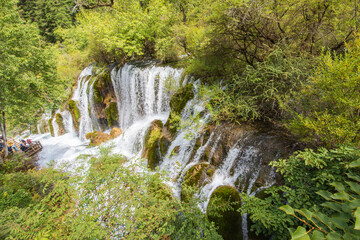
point(115, 132)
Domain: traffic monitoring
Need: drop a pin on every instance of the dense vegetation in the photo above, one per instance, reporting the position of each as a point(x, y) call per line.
point(293, 63)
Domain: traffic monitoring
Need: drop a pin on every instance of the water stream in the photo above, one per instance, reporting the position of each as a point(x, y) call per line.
point(143, 93)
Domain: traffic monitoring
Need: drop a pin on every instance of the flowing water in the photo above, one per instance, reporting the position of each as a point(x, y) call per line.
point(143, 93)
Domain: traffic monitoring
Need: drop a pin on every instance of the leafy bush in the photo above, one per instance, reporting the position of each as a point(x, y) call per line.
point(326, 111)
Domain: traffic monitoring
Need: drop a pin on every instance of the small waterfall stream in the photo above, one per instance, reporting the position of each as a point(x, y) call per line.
point(142, 95)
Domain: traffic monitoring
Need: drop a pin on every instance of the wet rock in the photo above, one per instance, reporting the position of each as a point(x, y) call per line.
point(229, 222)
point(195, 177)
point(51, 128)
point(97, 138)
point(60, 123)
point(75, 113)
point(115, 132)
point(156, 143)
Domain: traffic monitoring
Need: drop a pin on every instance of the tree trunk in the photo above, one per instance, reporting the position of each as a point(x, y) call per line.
point(3, 132)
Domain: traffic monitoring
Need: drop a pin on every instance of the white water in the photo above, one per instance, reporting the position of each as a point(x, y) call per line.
point(141, 98)
point(141, 91)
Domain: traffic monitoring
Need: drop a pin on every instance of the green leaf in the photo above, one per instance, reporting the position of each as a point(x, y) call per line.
point(300, 234)
point(340, 196)
point(353, 177)
point(340, 222)
point(339, 186)
point(354, 186)
point(332, 205)
point(287, 209)
point(306, 213)
point(357, 216)
point(317, 235)
point(333, 236)
point(355, 164)
point(324, 194)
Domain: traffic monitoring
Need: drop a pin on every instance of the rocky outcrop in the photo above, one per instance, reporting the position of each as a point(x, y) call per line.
point(156, 144)
point(59, 121)
point(228, 221)
point(115, 132)
point(97, 138)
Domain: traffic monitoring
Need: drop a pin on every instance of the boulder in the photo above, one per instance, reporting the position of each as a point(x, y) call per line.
point(97, 138)
point(60, 123)
point(115, 132)
point(229, 222)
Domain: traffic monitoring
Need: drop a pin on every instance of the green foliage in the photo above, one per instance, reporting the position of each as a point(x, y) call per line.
point(254, 93)
point(48, 15)
point(304, 174)
point(326, 110)
point(344, 203)
point(129, 204)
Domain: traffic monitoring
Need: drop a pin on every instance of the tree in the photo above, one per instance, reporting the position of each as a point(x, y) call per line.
point(27, 74)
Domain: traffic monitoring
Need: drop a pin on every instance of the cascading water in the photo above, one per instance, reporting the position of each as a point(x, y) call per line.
point(140, 91)
point(142, 96)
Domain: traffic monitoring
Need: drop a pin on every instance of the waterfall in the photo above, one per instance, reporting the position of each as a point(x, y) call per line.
point(140, 91)
point(82, 101)
point(55, 125)
point(143, 94)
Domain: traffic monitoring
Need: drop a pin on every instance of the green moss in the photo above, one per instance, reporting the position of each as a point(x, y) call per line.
point(228, 221)
point(75, 113)
point(210, 172)
point(177, 104)
point(97, 96)
point(152, 146)
point(51, 127)
point(60, 123)
point(180, 98)
point(112, 114)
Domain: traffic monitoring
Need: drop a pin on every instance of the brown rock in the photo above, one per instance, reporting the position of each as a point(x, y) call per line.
point(97, 138)
point(115, 132)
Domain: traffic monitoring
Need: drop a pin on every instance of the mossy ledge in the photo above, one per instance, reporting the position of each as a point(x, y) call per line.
point(75, 113)
point(229, 222)
point(156, 144)
point(60, 123)
point(177, 104)
point(51, 127)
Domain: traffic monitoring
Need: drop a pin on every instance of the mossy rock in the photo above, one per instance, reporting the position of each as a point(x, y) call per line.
point(60, 123)
point(180, 98)
point(194, 178)
point(97, 96)
point(155, 144)
point(115, 132)
point(177, 104)
point(112, 114)
point(51, 127)
point(229, 222)
point(75, 113)
point(97, 138)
